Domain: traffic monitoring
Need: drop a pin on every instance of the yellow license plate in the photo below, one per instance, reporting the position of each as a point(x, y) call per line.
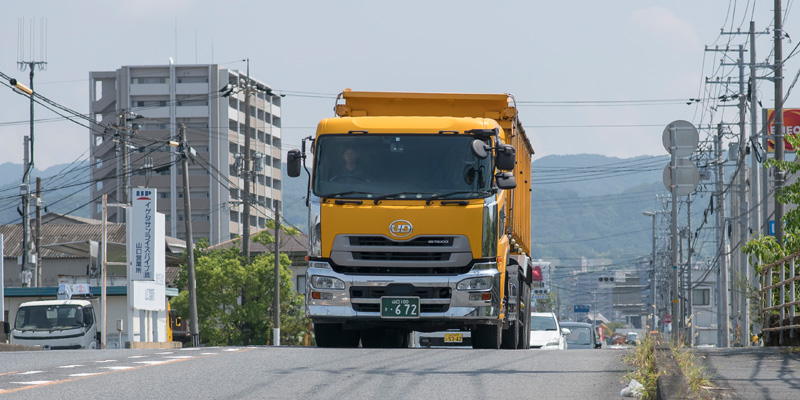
point(453, 337)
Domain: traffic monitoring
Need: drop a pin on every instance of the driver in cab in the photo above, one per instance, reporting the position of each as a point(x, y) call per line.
point(351, 170)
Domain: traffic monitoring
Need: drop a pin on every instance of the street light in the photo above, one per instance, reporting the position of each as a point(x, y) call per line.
point(653, 266)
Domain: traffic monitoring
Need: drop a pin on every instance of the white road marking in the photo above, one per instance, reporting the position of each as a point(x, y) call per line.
point(208, 354)
point(232, 349)
point(119, 367)
point(138, 357)
point(152, 362)
point(106, 361)
point(32, 382)
point(86, 374)
point(166, 352)
point(29, 373)
point(189, 349)
point(180, 357)
point(71, 366)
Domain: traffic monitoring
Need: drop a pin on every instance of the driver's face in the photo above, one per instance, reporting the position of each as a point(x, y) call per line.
point(350, 155)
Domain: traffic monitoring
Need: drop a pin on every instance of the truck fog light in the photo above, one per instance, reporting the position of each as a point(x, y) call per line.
point(480, 283)
point(326, 282)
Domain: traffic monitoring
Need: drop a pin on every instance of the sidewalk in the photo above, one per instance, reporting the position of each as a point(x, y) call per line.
point(753, 372)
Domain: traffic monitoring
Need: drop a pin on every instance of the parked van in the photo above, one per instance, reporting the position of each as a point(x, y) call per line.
point(56, 324)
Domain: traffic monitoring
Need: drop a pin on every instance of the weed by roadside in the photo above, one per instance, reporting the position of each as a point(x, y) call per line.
point(643, 359)
point(697, 377)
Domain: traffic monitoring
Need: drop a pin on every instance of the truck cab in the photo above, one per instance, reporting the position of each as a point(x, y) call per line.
point(56, 324)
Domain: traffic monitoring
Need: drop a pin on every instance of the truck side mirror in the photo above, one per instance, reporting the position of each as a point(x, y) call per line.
point(293, 160)
point(480, 149)
point(506, 157)
point(505, 180)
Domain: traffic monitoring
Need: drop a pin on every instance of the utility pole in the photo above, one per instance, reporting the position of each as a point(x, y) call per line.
point(276, 330)
point(653, 270)
point(723, 322)
point(194, 330)
point(247, 172)
point(24, 191)
point(690, 289)
point(38, 232)
point(674, 236)
point(779, 146)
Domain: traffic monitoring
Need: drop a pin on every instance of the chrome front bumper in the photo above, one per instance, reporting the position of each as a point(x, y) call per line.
point(460, 307)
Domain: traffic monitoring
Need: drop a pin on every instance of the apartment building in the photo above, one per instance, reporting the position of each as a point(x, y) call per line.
point(143, 108)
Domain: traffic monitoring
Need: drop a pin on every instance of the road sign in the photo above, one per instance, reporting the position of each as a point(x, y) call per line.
point(582, 308)
point(687, 177)
point(667, 318)
point(686, 138)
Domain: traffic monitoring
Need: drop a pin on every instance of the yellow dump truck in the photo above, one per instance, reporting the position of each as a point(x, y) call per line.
point(419, 220)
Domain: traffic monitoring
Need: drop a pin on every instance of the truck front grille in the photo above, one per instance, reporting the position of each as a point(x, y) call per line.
point(424, 308)
point(381, 255)
point(376, 292)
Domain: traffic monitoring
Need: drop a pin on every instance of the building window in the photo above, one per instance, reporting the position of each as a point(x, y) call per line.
point(701, 297)
point(148, 80)
point(193, 79)
point(163, 195)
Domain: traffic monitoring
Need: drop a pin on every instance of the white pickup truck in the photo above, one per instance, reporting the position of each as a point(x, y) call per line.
point(56, 324)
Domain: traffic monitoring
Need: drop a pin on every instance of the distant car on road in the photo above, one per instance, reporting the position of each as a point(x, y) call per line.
point(632, 338)
point(546, 332)
point(581, 336)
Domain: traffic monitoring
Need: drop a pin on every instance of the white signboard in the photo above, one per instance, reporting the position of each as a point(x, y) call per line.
point(146, 252)
point(142, 241)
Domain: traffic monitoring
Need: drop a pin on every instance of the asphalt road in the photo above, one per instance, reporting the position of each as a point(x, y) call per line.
point(753, 373)
point(313, 373)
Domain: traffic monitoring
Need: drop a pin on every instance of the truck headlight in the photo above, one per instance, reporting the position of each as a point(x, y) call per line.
point(480, 283)
point(326, 282)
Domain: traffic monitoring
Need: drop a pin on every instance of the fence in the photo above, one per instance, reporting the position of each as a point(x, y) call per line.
point(786, 302)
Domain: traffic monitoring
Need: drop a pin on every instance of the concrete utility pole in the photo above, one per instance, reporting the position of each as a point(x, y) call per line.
point(690, 288)
point(24, 191)
point(653, 270)
point(38, 232)
point(723, 323)
point(247, 169)
point(194, 326)
point(779, 146)
point(276, 330)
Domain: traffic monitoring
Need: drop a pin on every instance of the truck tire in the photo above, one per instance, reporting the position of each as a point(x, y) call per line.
point(510, 338)
point(349, 338)
point(327, 335)
point(525, 316)
point(487, 336)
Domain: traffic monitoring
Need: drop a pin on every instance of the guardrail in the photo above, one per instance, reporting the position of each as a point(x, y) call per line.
point(780, 295)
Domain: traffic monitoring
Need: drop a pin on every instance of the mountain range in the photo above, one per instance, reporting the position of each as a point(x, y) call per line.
point(583, 205)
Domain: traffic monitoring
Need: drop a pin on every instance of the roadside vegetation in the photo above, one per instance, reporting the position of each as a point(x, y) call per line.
point(643, 359)
point(235, 299)
point(696, 376)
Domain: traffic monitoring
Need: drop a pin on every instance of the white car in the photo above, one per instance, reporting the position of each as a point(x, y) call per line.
point(546, 332)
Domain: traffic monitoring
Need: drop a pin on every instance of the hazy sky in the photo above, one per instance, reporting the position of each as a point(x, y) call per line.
point(635, 62)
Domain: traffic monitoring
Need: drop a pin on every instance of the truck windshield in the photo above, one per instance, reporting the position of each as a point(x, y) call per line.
point(398, 166)
point(49, 317)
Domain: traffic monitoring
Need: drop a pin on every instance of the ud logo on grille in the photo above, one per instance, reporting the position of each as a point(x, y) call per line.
point(400, 228)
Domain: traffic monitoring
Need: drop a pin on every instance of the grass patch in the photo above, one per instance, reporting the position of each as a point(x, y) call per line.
point(697, 377)
point(643, 359)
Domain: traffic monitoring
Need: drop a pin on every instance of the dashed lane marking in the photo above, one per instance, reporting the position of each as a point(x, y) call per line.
point(85, 374)
point(32, 382)
point(117, 368)
point(29, 373)
point(71, 366)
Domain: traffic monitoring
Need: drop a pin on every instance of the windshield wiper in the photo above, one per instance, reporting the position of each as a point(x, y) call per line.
point(446, 195)
point(327, 196)
point(387, 196)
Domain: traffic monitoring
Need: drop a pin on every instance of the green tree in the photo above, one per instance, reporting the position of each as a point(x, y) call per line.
point(223, 279)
